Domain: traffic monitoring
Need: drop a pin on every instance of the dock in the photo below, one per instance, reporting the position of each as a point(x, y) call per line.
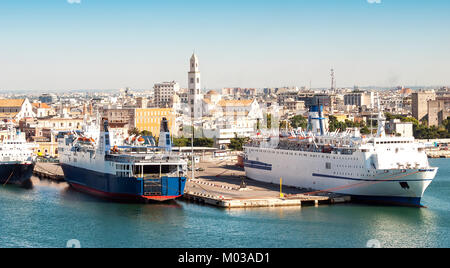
point(438, 154)
point(49, 171)
point(223, 184)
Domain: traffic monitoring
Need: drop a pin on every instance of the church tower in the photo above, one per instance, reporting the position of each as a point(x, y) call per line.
point(195, 96)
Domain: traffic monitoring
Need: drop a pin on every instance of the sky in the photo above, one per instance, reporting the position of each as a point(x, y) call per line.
point(108, 44)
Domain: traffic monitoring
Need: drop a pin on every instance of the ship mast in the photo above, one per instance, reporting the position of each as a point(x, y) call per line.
point(381, 132)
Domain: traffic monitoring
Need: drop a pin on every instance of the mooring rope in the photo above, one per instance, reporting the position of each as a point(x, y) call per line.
point(12, 173)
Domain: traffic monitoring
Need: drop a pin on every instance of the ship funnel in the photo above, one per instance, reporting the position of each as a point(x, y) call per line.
point(164, 125)
point(316, 120)
point(105, 136)
point(164, 135)
point(105, 125)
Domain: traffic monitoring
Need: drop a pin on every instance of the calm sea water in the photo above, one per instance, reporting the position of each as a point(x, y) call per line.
point(49, 215)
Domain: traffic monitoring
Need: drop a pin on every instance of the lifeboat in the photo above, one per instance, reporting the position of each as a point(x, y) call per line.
point(141, 140)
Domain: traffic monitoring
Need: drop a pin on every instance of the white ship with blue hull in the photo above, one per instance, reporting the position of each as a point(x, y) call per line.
point(391, 170)
point(17, 159)
point(101, 164)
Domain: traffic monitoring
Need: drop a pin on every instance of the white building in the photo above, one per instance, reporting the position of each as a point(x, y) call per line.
point(164, 93)
point(42, 110)
point(16, 109)
point(402, 129)
point(213, 96)
point(230, 118)
point(360, 99)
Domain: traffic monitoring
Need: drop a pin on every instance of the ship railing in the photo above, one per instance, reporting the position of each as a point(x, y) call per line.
point(144, 153)
point(147, 177)
point(142, 158)
point(318, 149)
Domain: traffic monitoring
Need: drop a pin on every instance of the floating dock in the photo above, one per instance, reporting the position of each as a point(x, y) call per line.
point(224, 185)
point(49, 171)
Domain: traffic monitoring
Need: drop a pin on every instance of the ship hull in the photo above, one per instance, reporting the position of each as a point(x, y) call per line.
point(395, 187)
point(122, 188)
point(16, 173)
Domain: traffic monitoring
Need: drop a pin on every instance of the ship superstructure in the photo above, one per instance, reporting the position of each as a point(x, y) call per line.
point(17, 159)
point(380, 168)
point(106, 164)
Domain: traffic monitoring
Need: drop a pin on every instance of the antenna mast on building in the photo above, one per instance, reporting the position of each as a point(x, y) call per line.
point(332, 91)
point(333, 81)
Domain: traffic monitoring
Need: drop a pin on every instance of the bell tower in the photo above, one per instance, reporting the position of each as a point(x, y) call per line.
point(194, 81)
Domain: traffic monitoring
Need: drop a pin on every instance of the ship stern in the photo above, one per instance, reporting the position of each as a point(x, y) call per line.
point(163, 189)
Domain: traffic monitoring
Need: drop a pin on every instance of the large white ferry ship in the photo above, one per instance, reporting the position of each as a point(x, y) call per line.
point(377, 168)
point(17, 159)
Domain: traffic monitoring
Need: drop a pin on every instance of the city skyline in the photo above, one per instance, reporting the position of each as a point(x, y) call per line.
point(89, 44)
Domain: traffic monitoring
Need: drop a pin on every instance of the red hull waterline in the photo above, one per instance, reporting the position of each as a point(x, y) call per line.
point(113, 196)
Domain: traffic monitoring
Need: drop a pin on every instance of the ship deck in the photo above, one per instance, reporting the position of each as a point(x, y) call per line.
point(144, 158)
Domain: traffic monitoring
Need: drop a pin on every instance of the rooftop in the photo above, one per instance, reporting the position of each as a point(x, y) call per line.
point(8, 115)
point(41, 105)
point(226, 103)
point(212, 92)
point(11, 102)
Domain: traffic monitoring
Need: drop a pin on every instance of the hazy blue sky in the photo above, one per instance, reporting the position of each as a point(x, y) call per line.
point(52, 44)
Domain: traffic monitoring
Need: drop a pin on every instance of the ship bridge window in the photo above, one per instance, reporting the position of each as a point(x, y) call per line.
point(152, 170)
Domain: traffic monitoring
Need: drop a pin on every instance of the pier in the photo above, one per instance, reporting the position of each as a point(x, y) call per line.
point(438, 154)
point(223, 184)
point(49, 171)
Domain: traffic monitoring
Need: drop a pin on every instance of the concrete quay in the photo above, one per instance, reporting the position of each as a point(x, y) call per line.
point(49, 171)
point(438, 154)
point(220, 185)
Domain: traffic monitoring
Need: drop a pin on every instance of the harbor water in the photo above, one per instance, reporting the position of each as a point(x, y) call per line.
point(49, 215)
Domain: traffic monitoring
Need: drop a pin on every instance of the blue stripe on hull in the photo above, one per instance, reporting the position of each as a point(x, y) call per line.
point(257, 165)
point(15, 173)
point(392, 200)
point(119, 186)
point(389, 200)
point(373, 180)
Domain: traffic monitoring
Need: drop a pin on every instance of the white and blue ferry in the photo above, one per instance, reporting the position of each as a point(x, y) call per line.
point(378, 168)
point(17, 159)
point(101, 164)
